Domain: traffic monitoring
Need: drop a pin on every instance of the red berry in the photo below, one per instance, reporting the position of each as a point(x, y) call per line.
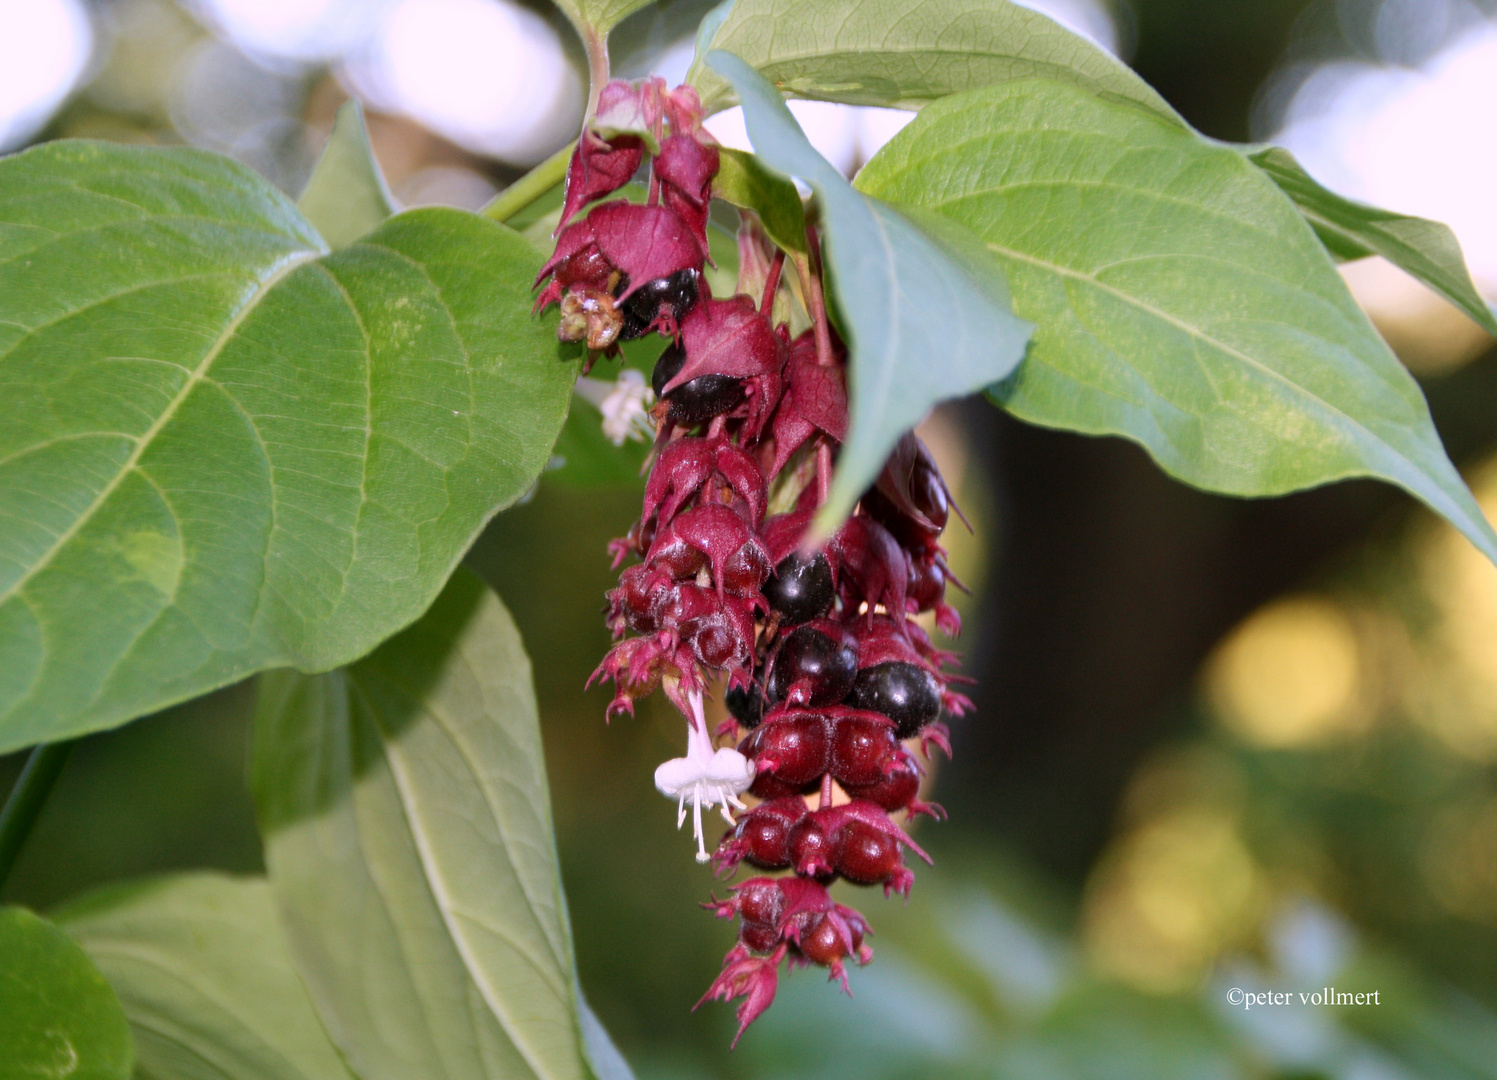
point(863, 748)
point(758, 937)
point(790, 750)
point(760, 900)
point(865, 854)
point(896, 790)
point(811, 849)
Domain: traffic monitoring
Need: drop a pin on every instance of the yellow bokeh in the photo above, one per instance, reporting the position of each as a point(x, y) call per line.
point(1290, 675)
point(1170, 896)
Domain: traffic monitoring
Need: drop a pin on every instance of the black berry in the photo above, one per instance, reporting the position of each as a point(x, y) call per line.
point(801, 589)
point(745, 704)
point(700, 399)
point(677, 294)
point(818, 668)
point(905, 693)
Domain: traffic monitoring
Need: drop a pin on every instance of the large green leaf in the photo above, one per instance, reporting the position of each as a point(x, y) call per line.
point(408, 835)
point(904, 298)
point(225, 449)
point(1181, 300)
point(346, 196)
point(201, 966)
point(1351, 230)
point(58, 1017)
point(906, 53)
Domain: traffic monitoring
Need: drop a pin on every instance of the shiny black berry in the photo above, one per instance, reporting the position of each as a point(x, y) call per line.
point(677, 294)
point(745, 704)
point(699, 400)
point(814, 668)
point(905, 693)
point(800, 589)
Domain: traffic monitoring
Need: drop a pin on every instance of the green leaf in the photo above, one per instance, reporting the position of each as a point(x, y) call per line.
point(58, 1017)
point(1181, 300)
point(201, 965)
point(743, 181)
point(346, 196)
point(409, 839)
point(904, 298)
point(225, 449)
point(907, 53)
point(595, 18)
point(1425, 249)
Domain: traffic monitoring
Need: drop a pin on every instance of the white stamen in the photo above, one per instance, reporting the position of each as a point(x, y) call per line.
point(705, 776)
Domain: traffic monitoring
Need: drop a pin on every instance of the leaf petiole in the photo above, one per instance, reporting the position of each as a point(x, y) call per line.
point(26, 800)
point(530, 187)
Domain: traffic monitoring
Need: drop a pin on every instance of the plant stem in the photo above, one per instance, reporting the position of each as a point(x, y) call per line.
point(597, 72)
point(26, 800)
point(530, 187)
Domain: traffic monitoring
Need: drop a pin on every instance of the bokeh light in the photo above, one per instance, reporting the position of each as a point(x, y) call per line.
point(1289, 675)
point(44, 47)
point(1409, 139)
point(490, 75)
point(299, 30)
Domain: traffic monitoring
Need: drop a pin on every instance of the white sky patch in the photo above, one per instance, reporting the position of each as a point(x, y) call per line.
point(1089, 18)
point(1415, 141)
point(44, 47)
point(489, 75)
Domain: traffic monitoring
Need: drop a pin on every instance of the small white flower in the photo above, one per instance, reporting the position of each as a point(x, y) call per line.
point(625, 405)
point(706, 777)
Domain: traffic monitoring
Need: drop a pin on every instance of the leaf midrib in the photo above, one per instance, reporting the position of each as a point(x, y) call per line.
point(278, 272)
point(1202, 335)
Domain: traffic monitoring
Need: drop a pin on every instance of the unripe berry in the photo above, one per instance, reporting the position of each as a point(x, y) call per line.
point(906, 693)
point(790, 750)
point(822, 941)
point(758, 937)
point(760, 900)
point(811, 849)
point(762, 836)
point(864, 854)
point(801, 588)
point(863, 749)
point(894, 791)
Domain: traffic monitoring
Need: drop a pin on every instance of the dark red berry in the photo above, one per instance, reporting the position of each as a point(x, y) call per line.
point(822, 942)
point(811, 849)
point(790, 749)
point(760, 900)
point(671, 296)
point(815, 666)
point(927, 583)
point(864, 854)
point(801, 588)
point(862, 750)
point(762, 836)
point(758, 937)
point(905, 693)
point(894, 791)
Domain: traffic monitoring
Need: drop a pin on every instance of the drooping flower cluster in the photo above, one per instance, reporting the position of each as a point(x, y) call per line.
point(829, 681)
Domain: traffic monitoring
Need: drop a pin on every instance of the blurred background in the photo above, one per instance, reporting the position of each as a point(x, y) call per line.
point(1218, 743)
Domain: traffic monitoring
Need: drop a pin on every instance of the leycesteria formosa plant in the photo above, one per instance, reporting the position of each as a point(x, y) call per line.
point(251, 437)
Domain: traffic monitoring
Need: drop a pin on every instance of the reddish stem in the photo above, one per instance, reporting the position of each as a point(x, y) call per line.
point(654, 187)
point(823, 471)
point(826, 791)
point(824, 355)
point(772, 283)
